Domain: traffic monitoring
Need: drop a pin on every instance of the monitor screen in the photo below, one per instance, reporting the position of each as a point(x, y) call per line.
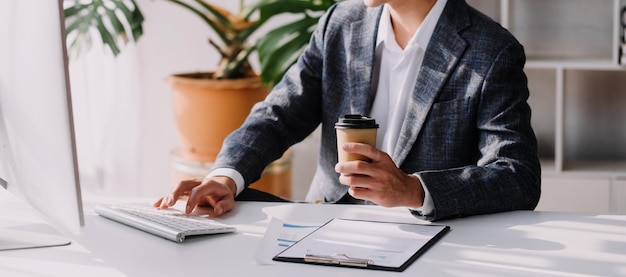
point(37, 147)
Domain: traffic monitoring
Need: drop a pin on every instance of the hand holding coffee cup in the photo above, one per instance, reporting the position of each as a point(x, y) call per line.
point(355, 128)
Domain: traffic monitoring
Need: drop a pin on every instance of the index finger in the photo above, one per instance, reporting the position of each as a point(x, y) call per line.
point(363, 149)
point(182, 189)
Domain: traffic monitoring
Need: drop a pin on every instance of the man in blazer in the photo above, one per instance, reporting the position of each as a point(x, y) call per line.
point(464, 146)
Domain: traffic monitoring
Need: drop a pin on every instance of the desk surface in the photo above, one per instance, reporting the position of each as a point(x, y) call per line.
point(520, 243)
point(21, 222)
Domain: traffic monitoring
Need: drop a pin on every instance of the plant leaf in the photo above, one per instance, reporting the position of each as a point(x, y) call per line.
point(232, 68)
point(118, 27)
point(221, 15)
point(106, 36)
point(280, 48)
point(218, 27)
point(111, 25)
point(133, 18)
point(73, 10)
point(270, 8)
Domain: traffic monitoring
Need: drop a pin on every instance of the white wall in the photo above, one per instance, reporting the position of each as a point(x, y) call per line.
point(176, 41)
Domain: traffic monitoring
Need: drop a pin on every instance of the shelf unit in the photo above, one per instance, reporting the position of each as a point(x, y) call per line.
point(577, 95)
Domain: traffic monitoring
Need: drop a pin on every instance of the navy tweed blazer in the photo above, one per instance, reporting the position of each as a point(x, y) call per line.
point(467, 130)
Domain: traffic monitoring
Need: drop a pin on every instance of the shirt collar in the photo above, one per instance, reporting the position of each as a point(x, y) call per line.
point(422, 35)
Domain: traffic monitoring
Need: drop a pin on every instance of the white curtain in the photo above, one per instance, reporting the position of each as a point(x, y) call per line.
point(106, 102)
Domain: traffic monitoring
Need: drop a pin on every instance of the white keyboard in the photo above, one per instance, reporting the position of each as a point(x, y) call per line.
point(170, 224)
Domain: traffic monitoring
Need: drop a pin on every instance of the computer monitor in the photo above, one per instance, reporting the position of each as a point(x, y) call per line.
point(38, 159)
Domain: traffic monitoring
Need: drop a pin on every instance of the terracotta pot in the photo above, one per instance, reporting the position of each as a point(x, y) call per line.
point(207, 110)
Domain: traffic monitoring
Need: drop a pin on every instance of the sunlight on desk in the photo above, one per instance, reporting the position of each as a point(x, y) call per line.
point(257, 230)
point(71, 260)
point(325, 212)
point(565, 246)
point(519, 243)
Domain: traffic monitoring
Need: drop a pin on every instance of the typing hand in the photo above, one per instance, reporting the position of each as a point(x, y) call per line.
point(217, 193)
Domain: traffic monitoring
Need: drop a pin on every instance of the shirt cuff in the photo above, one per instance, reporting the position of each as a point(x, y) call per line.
point(428, 207)
point(230, 173)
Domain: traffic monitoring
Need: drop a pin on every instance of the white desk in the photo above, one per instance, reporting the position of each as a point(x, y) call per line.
point(520, 243)
point(18, 220)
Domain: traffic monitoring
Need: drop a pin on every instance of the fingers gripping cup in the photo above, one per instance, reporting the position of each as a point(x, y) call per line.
point(355, 128)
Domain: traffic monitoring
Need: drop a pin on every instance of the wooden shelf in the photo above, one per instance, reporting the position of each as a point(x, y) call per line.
point(574, 64)
point(548, 166)
point(585, 168)
point(603, 168)
point(577, 96)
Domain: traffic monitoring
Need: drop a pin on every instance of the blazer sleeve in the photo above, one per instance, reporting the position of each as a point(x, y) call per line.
point(507, 174)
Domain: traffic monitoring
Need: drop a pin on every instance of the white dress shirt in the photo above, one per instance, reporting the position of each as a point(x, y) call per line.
point(396, 80)
point(398, 73)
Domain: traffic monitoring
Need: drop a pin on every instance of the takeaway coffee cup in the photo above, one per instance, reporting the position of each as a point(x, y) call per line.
point(355, 128)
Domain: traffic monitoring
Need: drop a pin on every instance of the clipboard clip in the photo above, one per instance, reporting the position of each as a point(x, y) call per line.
point(340, 259)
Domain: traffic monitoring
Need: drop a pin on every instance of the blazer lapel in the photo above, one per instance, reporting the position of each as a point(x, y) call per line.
point(360, 58)
point(442, 54)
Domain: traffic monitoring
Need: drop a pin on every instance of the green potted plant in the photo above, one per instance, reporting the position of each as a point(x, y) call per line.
point(233, 80)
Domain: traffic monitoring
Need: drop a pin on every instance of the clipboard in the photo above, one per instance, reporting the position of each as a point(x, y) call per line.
point(377, 245)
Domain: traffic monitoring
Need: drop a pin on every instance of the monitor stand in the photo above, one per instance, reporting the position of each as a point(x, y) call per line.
point(22, 228)
point(30, 236)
